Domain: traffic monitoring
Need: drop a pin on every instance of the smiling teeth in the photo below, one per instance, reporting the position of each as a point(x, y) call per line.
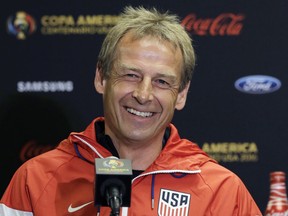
point(138, 113)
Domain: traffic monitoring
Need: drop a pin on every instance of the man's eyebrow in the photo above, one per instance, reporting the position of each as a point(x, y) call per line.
point(168, 76)
point(159, 74)
point(127, 67)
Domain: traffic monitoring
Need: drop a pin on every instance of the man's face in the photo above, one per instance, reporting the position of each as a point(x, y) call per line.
point(142, 93)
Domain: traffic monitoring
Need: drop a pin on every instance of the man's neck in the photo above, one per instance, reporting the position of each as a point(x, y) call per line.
point(141, 155)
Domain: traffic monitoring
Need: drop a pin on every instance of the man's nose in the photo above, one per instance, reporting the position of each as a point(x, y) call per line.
point(144, 91)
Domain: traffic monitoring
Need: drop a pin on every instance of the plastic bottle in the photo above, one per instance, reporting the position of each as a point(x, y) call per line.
point(277, 204)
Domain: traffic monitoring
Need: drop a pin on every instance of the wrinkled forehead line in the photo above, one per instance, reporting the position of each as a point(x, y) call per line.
point(132, 36)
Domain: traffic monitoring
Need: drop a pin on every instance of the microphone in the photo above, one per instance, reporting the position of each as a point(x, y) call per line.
point(113, 183)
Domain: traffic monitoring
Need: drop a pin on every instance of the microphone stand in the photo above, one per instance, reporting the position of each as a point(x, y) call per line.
point(114, 200)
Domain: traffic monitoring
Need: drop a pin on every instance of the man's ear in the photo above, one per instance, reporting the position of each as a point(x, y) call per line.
point(181, 98)
point(99, 81)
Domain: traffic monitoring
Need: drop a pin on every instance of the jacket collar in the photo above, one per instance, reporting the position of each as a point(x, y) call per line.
point(177, 153)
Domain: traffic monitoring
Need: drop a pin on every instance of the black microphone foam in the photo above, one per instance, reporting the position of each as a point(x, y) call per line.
point(113, 180)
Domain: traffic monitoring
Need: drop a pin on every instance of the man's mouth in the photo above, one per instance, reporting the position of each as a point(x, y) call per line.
point(138, 113)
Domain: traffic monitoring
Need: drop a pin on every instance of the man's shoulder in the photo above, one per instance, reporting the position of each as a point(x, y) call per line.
point(45, 162)
point(217, 174)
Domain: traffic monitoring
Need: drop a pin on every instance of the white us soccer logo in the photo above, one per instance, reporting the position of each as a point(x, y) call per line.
point(173, 203)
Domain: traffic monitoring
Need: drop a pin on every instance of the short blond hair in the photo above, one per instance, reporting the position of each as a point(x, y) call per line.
point(148, 22)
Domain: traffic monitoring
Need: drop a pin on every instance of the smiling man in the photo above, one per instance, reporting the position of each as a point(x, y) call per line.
point(140, 96)
point(144, 70)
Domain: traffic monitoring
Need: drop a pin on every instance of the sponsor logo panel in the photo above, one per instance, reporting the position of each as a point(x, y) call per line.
point(45, 86)
point(225, 24)
point(232, 151)
point(257, 84)
point(82, 24)
point(21, 24)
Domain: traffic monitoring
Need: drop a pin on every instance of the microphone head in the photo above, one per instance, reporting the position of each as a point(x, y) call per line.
point(112, 172)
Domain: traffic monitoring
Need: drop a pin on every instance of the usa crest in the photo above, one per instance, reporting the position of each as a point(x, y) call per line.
point(173, 203)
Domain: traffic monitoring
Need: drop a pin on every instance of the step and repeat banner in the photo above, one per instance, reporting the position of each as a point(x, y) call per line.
point(237, 105)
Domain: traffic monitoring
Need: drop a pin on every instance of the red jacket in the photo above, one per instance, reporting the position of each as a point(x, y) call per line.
point(182, 181)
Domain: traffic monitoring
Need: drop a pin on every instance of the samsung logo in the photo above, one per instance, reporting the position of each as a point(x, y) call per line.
point(45, 86)
point(257, 84)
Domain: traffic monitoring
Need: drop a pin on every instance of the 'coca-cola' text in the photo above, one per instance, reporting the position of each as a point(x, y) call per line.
point(225, 24)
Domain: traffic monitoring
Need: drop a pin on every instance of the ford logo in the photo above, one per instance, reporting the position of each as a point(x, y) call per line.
point(257, 84)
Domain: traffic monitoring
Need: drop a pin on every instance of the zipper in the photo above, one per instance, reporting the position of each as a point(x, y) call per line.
point(153, 173)
point(125, 209)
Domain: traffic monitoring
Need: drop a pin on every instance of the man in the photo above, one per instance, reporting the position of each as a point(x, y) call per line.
point(144, 71)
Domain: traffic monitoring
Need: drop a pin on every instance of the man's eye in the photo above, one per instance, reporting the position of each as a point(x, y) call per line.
point(132, 75)
point(162, 83)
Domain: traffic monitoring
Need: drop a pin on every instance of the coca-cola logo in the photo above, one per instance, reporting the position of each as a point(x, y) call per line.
point(33, 148)
point(225, 24)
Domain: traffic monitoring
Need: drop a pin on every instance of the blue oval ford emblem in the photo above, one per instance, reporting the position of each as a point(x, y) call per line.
point(257, 84)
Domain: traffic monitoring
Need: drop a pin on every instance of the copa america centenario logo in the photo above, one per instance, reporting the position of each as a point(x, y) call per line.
point(21, 24)
point(113, 163)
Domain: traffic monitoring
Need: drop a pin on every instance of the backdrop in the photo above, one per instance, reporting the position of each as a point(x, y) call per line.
point(237, 104)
